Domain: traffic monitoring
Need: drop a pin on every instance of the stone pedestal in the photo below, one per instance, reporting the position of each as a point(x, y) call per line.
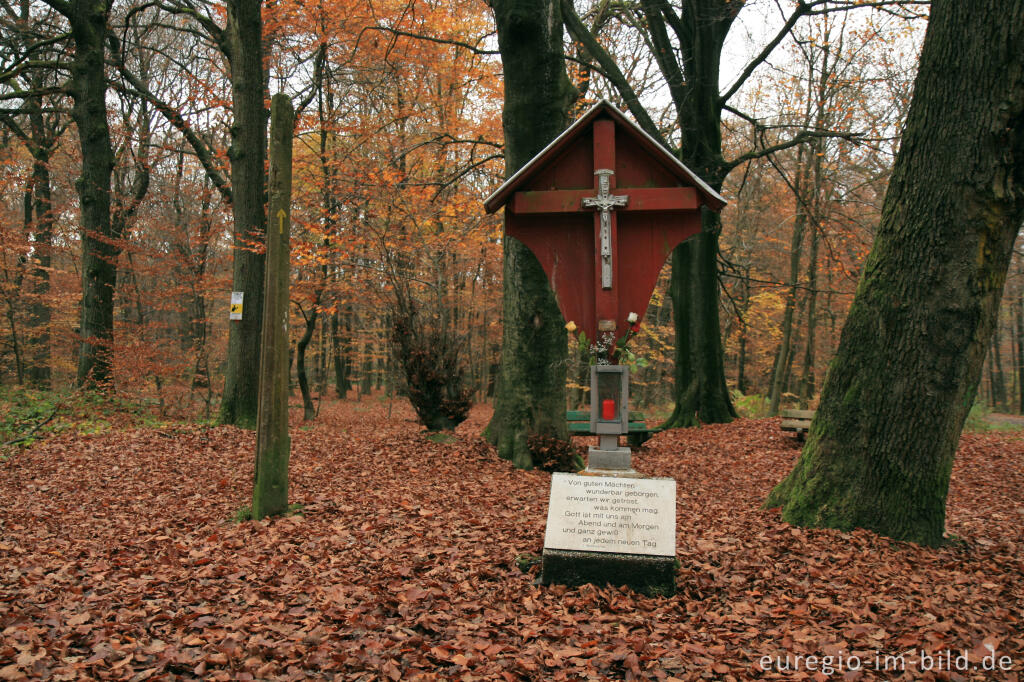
point(611, 529)
point(609, 456)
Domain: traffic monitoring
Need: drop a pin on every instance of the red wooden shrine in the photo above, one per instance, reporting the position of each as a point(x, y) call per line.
point(602, 207)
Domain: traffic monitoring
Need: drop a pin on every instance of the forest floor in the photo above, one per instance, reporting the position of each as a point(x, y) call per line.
point(1005, 421)
point(119, 560)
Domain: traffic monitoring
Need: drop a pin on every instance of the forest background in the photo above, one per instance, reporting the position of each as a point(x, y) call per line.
point(398, 140)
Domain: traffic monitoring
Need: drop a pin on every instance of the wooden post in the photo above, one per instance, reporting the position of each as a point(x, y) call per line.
point(270, 492)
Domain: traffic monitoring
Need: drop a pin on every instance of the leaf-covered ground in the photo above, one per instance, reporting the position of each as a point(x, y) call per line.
point(118, 561)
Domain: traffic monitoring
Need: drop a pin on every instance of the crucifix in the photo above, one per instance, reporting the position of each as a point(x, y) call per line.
point(604, 202)
point(602, 207)
point(602, 253)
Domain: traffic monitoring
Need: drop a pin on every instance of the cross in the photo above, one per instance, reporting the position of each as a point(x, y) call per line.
point(604, 202)
point(584, 257)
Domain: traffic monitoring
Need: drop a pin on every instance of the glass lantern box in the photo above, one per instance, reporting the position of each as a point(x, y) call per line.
point(609, 399)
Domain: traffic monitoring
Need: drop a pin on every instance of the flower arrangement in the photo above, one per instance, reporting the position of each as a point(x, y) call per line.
point(606, 350)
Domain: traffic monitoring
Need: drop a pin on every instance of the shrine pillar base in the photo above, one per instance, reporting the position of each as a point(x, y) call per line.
point(610, 458)
point(651, 575)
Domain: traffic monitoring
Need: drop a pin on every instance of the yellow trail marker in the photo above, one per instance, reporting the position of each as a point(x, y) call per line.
point(281, 215)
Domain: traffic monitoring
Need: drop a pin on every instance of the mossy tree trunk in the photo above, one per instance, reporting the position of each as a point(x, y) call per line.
point(530, 395)
point(880, 451)
point(242, 42)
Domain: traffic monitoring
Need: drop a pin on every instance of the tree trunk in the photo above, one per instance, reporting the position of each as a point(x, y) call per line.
point(308, 410)
point(700, 392)
point(37, 367)
point(342, 342)
point(1020, 352)
point(1013, 389)
point(243, 45)
point(530, 396)
point(741, 360)
point(88, 22)
point(366, 375)
point(880, 450)
point(998, 378)
point(795, 251)
point(807, 379)
point(701, 395)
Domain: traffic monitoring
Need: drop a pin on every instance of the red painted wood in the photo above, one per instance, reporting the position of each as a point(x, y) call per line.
point(551, 201)
point(545, 212)
point(640, 199)
point(604, 145)
point(659, 199)
point(564, 246)
point(655, 166)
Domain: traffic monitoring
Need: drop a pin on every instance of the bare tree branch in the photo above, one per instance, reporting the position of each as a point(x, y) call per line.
point(802, 8)
point(610, 70)
point(173, 116)
point(434, 39)
point(798, 139)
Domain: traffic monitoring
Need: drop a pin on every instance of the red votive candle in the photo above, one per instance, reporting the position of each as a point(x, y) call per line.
point(608, 410)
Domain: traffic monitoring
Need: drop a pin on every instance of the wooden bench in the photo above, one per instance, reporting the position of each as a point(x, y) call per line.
point(639, 432)
point(798, 421)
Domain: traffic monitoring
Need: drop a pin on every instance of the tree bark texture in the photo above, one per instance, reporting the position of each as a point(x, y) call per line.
point(88, 22)
point(530, 396)
point(701, 395)
point(1019, 322)
point(243, 45)
point(880, 450)
point(43, 142)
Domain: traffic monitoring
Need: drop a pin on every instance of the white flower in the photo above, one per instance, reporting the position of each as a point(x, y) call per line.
point(632, 318)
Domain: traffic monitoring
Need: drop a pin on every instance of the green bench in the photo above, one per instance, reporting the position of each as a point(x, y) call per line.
point(639, 432)
point(798, 421)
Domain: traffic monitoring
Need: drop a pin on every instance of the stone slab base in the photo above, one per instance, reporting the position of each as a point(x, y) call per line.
point(651, 575)
point(620, 458)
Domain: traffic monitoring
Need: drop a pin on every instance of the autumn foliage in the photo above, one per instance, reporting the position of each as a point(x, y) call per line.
point(118, 560)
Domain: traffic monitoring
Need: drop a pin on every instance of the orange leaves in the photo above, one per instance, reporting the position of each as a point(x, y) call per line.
point(404, 565)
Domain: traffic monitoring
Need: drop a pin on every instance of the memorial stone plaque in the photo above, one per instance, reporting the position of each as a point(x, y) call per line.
point(612, 514)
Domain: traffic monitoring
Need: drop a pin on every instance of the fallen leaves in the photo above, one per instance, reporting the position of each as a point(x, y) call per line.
point(117, 561)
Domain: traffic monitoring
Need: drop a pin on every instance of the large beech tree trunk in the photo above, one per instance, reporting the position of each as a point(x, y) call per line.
point(530, 397)
point(700, 392)
point(88, 22)
point(1019, 321)
point(880, 450)
point(700, 27)
point(243, 45)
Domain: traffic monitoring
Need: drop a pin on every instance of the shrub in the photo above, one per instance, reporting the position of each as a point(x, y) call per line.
point(553, 454)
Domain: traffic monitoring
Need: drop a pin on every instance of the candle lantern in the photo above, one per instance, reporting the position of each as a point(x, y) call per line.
point(609, 399)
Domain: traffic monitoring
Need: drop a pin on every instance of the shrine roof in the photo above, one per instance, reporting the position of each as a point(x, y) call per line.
point(502, 195)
